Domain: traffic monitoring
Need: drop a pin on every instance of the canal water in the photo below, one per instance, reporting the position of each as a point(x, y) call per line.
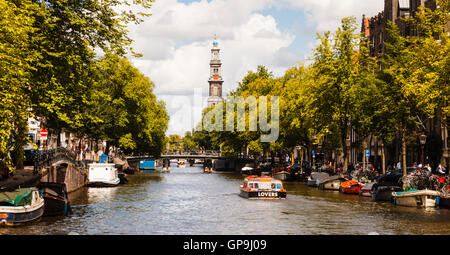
point(187, 201)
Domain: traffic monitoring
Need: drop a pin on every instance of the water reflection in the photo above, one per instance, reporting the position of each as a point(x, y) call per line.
point(188, 201)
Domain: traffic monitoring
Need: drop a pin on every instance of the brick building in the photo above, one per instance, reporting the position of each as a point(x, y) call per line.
point(396, 11)
point(374, 28)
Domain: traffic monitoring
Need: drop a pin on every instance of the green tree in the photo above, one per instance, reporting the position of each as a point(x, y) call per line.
point(332, 101)
point(16, 64)
point(396, 74)
point(128, 115)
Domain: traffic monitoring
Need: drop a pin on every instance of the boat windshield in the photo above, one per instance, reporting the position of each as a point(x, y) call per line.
point(276, 186)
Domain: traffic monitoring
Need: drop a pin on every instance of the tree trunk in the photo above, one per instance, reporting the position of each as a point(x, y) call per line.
point(20, 142)
point(346, 146)
point(383, 158)
point(404, 151)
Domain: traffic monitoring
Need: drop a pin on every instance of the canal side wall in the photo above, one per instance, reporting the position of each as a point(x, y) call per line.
point(73, 177)
point(224, 164)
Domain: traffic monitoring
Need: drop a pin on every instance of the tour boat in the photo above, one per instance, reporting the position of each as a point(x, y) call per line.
point(315, 178)
point(384, 193)
point(350, 187)
point(416, 198)
point(181, 163)
point(331, 183)
point(56, 199)
point(366, 190)
point(102, 175)
point(262, 187)
point(21, 206)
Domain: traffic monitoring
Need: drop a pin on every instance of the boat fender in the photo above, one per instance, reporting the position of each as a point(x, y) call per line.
point(437, 200)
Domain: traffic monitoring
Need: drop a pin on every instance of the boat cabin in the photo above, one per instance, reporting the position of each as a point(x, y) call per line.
point(262, 187)
point(102, 175)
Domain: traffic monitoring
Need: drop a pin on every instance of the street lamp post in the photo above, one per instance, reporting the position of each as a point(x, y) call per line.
point(423, 140)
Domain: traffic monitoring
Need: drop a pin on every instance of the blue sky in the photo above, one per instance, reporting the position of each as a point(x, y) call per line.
point(177, 38)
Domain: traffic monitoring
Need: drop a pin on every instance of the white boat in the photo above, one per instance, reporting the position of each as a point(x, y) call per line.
point(247, 169)
point(102, 175)
point(316, 177)
point(21, 206)
point(282, 175)
point(331, 183)
point(416, 198)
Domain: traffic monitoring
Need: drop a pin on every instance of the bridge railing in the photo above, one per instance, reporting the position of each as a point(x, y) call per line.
point(47, 157)
point(178, 152)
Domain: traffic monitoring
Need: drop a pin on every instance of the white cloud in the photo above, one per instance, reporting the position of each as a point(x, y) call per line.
point(247, 39)
point(324, 15)
point(177, 38)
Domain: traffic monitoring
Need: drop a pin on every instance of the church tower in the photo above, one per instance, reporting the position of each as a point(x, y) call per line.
point(215, 76)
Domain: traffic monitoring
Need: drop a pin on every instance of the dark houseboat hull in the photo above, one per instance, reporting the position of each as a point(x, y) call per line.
point(56, 206)
point(56, 199)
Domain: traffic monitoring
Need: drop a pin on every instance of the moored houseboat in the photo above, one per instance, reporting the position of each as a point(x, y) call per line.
point(147, 166)
point(262, 187)
point(56, 199)
point(102, 175)
point(416, 198)
point(21, 206)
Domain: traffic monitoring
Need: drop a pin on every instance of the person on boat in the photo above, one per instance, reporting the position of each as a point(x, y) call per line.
point(428, 168)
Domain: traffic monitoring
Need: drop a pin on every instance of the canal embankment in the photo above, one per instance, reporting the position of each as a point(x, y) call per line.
point(21, 178)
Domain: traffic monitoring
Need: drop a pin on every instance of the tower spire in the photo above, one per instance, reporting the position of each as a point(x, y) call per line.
point(215, 78)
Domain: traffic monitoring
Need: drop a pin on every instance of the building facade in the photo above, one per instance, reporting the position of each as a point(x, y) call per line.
point(374, 29)
point(215, 76)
